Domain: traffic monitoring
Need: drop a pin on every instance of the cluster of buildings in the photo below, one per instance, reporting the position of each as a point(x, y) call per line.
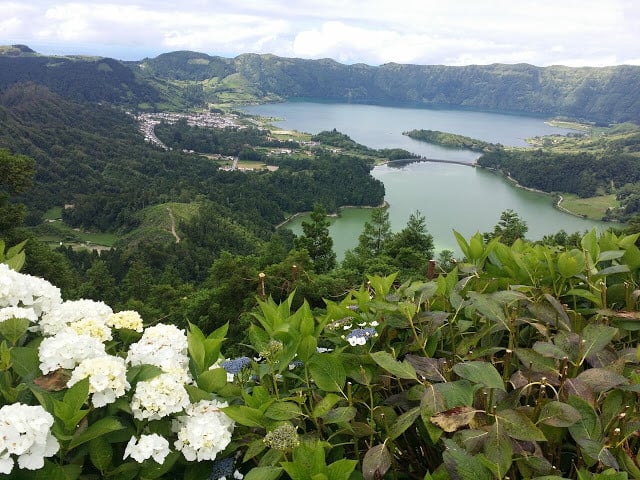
point(148, 122)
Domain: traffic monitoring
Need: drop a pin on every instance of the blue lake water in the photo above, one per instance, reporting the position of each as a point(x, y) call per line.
point(450, 196)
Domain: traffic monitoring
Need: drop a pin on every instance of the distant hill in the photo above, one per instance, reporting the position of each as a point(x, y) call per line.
point(190, 79)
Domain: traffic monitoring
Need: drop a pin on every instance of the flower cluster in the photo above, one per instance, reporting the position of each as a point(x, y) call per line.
point(204, 431)
point(283, 438)
point(107, 378)
point(147, 446)
point(359, 336)
point(129, 319)
point(67, 349)
point(25, 433)
point(164, 346)
point(20, 290)
point(225, 469)
point(86, 317)
point(159, 397)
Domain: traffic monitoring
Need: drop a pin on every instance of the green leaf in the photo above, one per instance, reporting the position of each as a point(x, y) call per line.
point(307, 348)
point(462, 243)
point(325, 405)
point(586, 294)
point(498, 449)
point(612, 270)
point(249, 417)
point(403, 422)
point(100, 453)
point(376, 462)
point(601, 379)
point(283, 411)
point(340, 415)
point(263, 473)
point(480, 372)
point(589, 426)
point(212, 380)
point(458, 393)
point(519, 426)
point(142, 373)
point(16, 262)
point(76, 396)
point(95, 430)
point(341, 469)
point(558, 414)
point(153, 470)
point(463, 466)
point(570, 263)
point(597, 452)
point(54, 471)
point(596, 338)
point(327, 372)
point(13, 329)
point(390, 364)
point(536, 361)
point(25, 362)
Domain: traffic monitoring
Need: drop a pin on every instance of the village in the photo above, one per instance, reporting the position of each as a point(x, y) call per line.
point(148, 122)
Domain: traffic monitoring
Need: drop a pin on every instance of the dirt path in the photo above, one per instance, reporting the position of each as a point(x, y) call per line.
point(173, 225)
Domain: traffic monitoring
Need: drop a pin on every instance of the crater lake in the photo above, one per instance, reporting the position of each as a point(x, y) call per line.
point(450, 196)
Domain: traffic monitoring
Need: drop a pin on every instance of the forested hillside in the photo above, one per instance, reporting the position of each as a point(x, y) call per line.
point(192, 79)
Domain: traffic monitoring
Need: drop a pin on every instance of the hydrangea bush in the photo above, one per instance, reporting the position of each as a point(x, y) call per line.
point(85, 390)
point(522, 362)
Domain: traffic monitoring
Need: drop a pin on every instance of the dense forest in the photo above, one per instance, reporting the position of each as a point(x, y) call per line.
point(517, 360)
point(190, 79)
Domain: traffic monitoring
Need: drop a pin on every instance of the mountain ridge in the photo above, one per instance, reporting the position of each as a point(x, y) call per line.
point(187, 79)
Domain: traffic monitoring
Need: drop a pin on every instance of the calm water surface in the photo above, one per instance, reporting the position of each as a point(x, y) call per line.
point(450, 196)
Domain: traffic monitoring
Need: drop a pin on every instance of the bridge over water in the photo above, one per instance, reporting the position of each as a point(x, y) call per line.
point(433, 160)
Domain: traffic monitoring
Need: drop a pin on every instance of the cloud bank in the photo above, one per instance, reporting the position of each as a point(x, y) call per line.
point(540, 32)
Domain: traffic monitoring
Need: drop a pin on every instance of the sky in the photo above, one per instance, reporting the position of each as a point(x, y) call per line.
point(374, 32)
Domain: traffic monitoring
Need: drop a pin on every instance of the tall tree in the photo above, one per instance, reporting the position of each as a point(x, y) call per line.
point(510, 228)
point(412, 247)
point(317, 241)
point(16, 174)
point(376, 233)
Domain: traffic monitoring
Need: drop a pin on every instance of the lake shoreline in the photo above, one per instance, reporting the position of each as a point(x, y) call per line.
point(292, 217)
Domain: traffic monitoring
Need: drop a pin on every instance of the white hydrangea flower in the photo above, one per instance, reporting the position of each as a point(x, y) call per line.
point(164, 346)
point(92, 327)
point(148, 446)
point(69, 313)
point(165, 335)
point(129, 319)
point(107, 378)
point(66, 350)
point(159, 397)
point(25, 431)
point(21, 290)
point(204, 431)
point(18, 312)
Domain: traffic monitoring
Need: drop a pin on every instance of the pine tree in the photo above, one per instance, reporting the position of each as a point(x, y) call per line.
point(317, 241)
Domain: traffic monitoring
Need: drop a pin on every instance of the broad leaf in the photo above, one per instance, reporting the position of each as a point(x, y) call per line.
point(454, 418)
point(519, 426)
point(558, 414)
point(462, 466)
point(95, 430)
point(399, 369)
point(376, 462)
point(328, 373)
point(403, 422)
point(480, 372)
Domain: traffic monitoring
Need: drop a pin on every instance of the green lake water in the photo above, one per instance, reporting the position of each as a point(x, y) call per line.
point(450, 196)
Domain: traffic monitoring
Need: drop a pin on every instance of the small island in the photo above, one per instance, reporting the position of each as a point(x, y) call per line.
point(451, 140)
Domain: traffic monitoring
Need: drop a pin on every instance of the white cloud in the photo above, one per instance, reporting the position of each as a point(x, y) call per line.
point(542, 32)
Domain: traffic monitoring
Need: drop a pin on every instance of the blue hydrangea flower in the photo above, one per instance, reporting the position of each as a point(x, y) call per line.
point(235, 365)
point(359, 336)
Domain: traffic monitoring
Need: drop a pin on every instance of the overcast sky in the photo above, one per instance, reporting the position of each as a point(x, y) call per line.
point(450, 32)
